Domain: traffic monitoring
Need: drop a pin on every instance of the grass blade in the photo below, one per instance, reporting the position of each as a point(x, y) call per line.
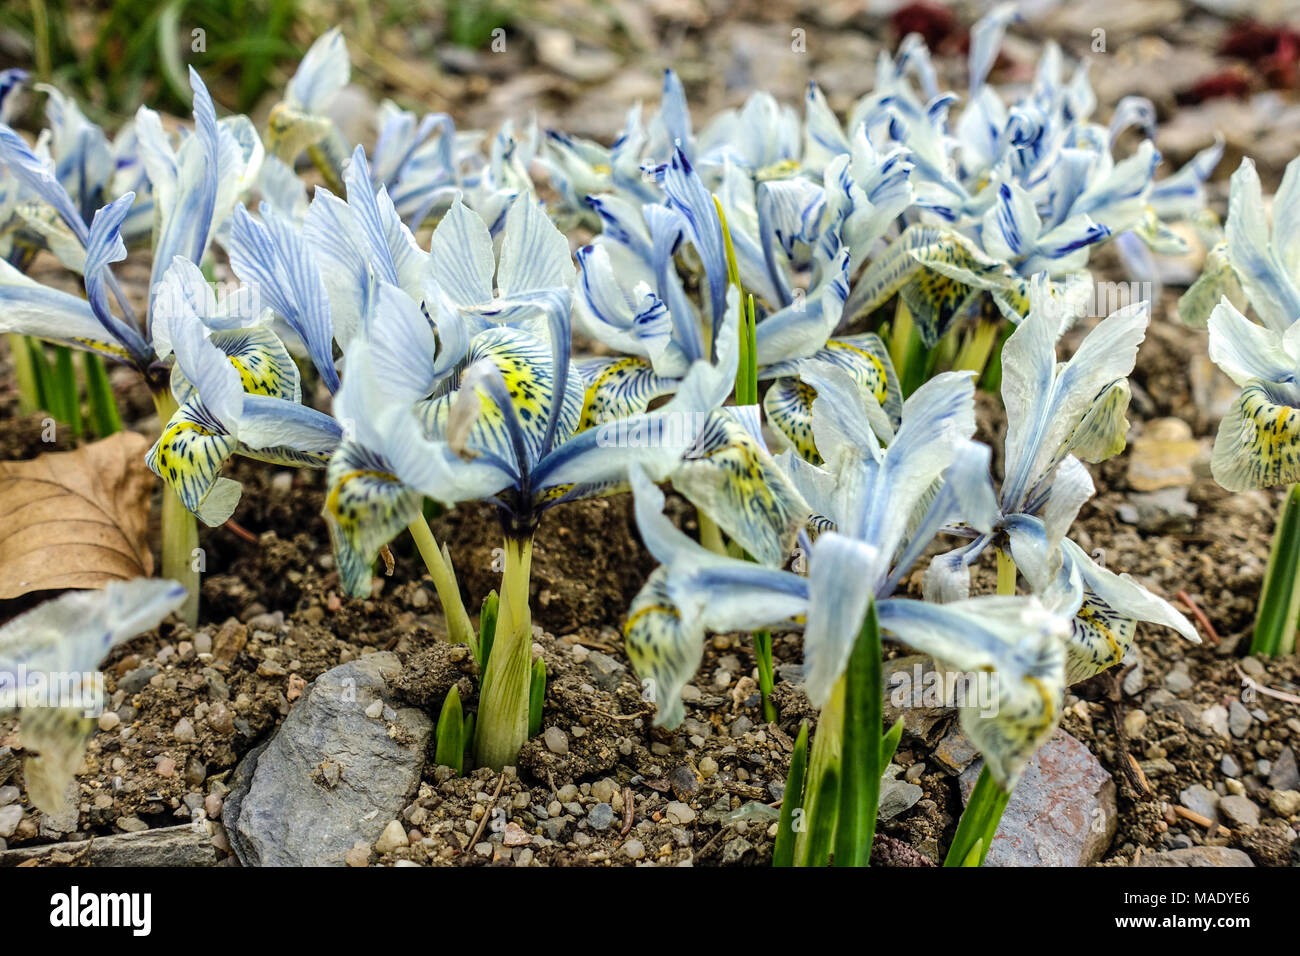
point(487, 628)
point(821, 829)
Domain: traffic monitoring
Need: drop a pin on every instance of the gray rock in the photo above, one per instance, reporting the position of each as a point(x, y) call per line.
point(1229, 766)
point(134, 681)
point(557, 741)
point(735, 851)
point(1166, 511)
point(606, 672)
point(1215, 719)
point(1200, 799)
point(924, 717)
point(182, 845)
point(955, 751)
point(1062, 813)
point(10, 817)
point(1239, 719)
point(896, 797)
point(330, 776)
point(1197, 856)
point(1283, 774)
point(601, 816)
point(8, 795)
point(1178, 680)
point(1239, 812)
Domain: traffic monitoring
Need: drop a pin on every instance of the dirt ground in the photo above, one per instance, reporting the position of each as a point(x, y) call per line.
point(187, 705)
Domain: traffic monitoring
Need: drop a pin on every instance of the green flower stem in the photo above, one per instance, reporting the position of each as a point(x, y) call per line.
point(438, 563)
point(29, 396)
point(503, 696)
point(977, 348)
point(1006, 573)
point(1279, 598)
point(180, 529)
point(979, 822)
point(711, 535)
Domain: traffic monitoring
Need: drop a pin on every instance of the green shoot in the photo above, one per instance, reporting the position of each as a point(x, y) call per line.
point(766, 675)
point(487, 628)
point(783, 853)
point(860, 783)
point(503, 694)
point(1279, 599)
point(65, 391)
point(29, 398)
point(979, 823)
point(450, 747)
point(102, 405)
point(889, 744)
point(536, 696)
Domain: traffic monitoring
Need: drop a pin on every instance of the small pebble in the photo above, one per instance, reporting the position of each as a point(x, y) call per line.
point(557, 741)
point(634, 849)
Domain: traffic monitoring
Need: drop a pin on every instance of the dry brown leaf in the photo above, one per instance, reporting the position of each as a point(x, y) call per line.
point(76, 519)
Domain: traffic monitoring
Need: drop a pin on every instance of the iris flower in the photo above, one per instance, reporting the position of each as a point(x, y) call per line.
point(1058, 416)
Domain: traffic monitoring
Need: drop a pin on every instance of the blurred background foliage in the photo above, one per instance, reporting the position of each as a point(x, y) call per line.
point(113, 56)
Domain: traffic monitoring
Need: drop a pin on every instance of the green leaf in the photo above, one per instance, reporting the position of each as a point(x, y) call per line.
point(1279, 599)
point(487, 628)
point(450, 748)
point(65, 373)
point(889, 743)
point(821, 829)
point(766, 674)
point(976, 855)
point(43, 374)
point(104, 416)
point(860, 785)
point(536, 696)
point(783, 853)
point(979, 822)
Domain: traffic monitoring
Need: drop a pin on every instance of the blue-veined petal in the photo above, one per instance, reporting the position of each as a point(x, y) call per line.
point(1011, 226)
point(1046, 403)
point(189, 455)
point(104, 246)
point(840, 570)
point(1259, 265)
point(29, 308)
point(272, 257)
point(187, 203)
point(366, 506)
point(1104, 625)
point(460, 256)
point(731, 477)
point(687, 195)
point(40, 179)
point(985, 40)
point(628, 318)
point(323, 71)
point(618, 387)
point(534, 254)
point(1258, 444)
point(1246, 350)
point(1018, 643)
